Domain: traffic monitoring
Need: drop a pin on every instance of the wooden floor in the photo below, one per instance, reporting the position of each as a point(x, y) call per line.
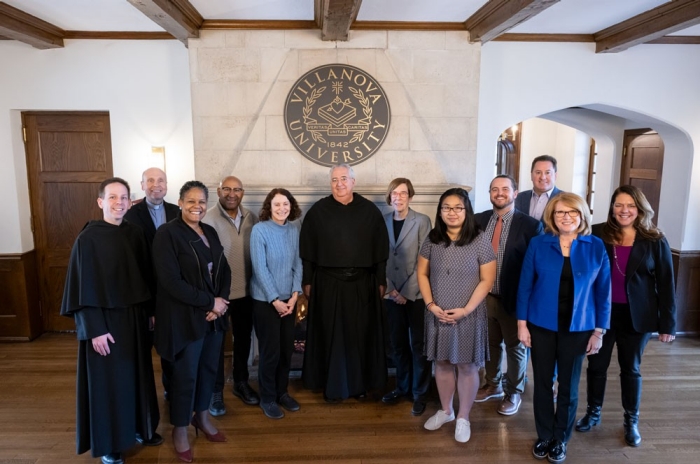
point(37, 420)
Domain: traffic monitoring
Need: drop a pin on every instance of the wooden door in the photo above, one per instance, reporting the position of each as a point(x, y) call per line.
point(68, 155)
point(642, 164)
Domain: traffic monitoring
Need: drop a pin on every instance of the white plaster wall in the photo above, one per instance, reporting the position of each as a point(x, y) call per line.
point(143, 84)
point(545, 137)
point(240, 80)
point(524, 80)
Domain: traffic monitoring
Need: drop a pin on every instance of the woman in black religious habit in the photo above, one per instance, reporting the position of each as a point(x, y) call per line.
point(108, 294)
point(193, 285)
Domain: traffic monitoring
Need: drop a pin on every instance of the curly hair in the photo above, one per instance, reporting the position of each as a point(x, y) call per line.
point(469, 230)
point(191, 184)
point(266, 210)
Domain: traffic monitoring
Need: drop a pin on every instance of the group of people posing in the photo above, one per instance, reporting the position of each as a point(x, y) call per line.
point(531, 275)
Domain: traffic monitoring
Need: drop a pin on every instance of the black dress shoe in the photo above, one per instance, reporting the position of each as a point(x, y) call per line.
point(245, 393)
point(393, 397)
point(114, 458)
point(155, 440)
point(557, 452)
point(541, 448)
point(288, 403)
point(271, 410)
point(418, 407)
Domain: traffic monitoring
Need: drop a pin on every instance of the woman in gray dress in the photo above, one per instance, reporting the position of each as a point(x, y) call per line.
point(456, 270)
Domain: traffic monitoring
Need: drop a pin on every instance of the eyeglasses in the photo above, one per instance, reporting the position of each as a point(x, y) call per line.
point(228, 190)
point(456, 209)
point(572, 214)
point(399, 194)
point(339, 180)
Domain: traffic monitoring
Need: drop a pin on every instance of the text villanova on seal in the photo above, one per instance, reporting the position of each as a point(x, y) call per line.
point(337, 114)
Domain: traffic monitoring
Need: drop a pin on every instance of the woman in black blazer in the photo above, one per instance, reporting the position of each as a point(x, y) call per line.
point(643, 302)
point(194, 279)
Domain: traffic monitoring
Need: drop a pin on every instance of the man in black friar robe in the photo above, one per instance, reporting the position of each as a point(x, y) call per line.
point(344, 246)
point(108, 293)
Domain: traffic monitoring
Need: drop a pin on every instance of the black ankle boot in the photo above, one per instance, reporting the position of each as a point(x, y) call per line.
point(632, 437)
point(591, 419)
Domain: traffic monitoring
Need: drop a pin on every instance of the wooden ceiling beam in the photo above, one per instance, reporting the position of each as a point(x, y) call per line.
point(334, 17)
point(499, 16)
point(650, 25)
point(17, 25)
point(178, 17)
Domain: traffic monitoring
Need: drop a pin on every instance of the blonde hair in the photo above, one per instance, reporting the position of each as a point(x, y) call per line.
point(572, 201)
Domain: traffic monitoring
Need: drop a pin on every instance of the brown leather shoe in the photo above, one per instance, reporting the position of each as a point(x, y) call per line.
point(510, 404)
point(488, 392)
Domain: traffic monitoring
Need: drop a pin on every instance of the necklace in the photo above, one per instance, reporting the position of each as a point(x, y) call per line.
point(617, 263)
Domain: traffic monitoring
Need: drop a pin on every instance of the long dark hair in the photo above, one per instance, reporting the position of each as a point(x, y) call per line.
point(469, 230)
point(612, 232)
point(266, 210)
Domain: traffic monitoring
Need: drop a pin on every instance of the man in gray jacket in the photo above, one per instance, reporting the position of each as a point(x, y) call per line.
point(233, 224)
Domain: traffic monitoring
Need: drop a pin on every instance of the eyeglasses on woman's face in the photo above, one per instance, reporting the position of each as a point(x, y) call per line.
point(448, 209)
point(574, 213)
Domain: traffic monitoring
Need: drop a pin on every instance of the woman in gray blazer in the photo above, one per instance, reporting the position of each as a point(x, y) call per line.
point(403, 301)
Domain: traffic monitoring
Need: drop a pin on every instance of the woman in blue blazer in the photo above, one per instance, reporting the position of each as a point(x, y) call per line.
point(643, 301)
point(563, 311)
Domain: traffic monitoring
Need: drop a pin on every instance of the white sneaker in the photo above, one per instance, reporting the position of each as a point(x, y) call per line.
point(436, 421)
point(463, 431)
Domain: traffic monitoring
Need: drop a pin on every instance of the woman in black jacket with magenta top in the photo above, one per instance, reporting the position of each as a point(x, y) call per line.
point(193, 284)
point(643, 301)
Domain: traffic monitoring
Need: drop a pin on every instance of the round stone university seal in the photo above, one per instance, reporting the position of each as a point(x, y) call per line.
point(337, 114)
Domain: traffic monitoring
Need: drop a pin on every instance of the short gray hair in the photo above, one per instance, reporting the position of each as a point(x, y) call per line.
point(351, 173)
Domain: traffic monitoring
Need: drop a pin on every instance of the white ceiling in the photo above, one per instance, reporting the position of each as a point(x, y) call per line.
point(564, 17)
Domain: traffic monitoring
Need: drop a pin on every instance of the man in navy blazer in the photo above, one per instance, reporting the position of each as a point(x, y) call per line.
point(149, 214)
point(510, 240)
point(543, 173)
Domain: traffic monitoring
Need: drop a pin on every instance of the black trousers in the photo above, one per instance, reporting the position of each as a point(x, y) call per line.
point(276, 343)
point(241, 311)
point(630, 347)
point(193, 377)
point(565, 351)
point(406, 324)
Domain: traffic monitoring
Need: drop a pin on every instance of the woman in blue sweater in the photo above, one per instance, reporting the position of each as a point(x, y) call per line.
point(275, 285)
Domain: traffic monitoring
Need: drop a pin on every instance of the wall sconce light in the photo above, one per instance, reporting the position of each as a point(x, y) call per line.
point(157, 158)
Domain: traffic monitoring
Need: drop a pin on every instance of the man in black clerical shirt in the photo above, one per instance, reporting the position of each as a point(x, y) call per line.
point(149, 214)
point(344, 247)
point(108, 293)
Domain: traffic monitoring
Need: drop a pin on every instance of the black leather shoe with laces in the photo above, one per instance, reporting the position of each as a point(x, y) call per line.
point(245, 393)
point(216, 405)
point(288, 403)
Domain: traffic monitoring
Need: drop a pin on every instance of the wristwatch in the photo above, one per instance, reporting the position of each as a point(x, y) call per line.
point(602, 331)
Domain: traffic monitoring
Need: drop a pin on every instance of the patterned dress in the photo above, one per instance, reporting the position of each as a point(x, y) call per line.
point(454, 275)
